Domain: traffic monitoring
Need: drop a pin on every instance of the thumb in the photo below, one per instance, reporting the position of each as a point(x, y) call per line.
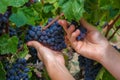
point(34, 44)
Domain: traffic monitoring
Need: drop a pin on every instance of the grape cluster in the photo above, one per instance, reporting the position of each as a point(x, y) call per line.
point(81, 28)
point(12, 32)
point(17, 70)
point(82, 32)
point(4, 19)
point(53, 37)
point(33, 53)
point(91, 69)
point(81, 61)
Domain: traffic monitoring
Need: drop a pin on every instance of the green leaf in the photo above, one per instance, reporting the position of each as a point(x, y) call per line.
point(115, 3)
point(73, 9)
point(30, 15)
point(78, 10)
point(3, 5)
point(100, 74)
point(104, 75)
point(19, 18)
point(2, 72)
point(30, 74)
point(17, 3)
point(8, 45)
point(107, 76)
point(47, 8)
point(61, 2)
point(23, 53)
point(23, 16)
point(45, 74)
point(67, 9)
point(50, 1)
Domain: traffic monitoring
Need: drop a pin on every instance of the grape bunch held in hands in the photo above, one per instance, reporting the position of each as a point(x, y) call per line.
point(90, 47)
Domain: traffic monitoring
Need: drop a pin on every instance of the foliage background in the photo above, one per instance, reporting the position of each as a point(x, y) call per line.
point(104, 14)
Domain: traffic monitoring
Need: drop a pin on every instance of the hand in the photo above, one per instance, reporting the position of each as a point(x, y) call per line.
point(94, 44)
point(45, 54)
point(53, 60)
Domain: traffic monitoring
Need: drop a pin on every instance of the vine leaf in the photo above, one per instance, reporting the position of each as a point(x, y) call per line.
point(17, 3)
point(73, 9)
point(3, 5)
point(8, 45)
point(47, 8)
point(19, 18)
point(2, 72)
point(24, 16)
point(104, 75)
point(107, 76)
point(24, 52)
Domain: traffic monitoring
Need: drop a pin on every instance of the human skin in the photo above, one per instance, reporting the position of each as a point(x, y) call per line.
point(94, 46)
point(53, 61)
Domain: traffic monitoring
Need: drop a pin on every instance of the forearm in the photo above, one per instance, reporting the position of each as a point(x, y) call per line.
point(58, 71)
point(111, 61)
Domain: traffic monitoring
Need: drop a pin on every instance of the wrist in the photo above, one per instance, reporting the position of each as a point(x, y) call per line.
point(111, 61)
point(108, 54)
point(55, 69)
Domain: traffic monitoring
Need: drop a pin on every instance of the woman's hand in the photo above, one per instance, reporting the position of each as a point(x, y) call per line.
point(53, 60)
point(93, 45)
point(45, 54)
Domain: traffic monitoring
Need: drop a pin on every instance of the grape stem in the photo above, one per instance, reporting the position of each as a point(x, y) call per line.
point(53, 21)
point(110, 25)
point(31, 1)
point(118, 27)
point(7, 28)
point(20, 49)
point(42, 2)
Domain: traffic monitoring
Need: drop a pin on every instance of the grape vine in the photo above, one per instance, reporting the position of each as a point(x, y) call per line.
point(27, 20)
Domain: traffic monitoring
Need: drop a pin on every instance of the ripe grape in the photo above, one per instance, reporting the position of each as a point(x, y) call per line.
point(91, 69)
point(81, 28)
point(12, 32)
point(17, 70)
point(53, 37)
point(4, 20)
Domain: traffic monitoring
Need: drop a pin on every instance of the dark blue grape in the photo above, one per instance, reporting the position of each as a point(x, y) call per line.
point(31, 33)
point(26, 70)
point(91, 69)
point(17, 70)
point(81, 28)
point(118, 49)
point(4, 20)
point(12, 32)
point(52, 37)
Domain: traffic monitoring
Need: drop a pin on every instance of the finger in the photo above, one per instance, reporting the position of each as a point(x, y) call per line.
point(74, 35)
point(64, 24)
point(88, 26)
point(34, 44)
point(71, 29)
